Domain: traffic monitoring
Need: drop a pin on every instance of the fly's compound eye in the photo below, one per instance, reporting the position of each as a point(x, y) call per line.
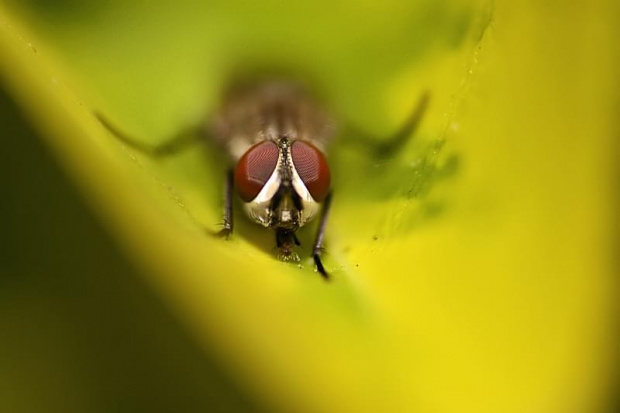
point(255, 168)
point(312, 168)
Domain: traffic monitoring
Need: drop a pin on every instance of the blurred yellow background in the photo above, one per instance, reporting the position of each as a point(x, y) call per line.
point(474, 272)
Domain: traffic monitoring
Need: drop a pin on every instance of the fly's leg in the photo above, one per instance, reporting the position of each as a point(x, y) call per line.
point(389, 147)
point(318, 243)
point(174, 145)
point(228, 207)
point(399, 139)
point(171, 147)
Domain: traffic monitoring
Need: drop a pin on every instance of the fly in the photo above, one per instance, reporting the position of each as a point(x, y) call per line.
point(275, 137)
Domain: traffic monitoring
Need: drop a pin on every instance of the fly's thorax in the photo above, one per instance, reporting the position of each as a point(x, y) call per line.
point(268, 111)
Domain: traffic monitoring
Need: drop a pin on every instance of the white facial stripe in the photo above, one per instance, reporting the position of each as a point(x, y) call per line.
point(310, 206)
point(258, 208)
point(271, 186)
point(299, 185)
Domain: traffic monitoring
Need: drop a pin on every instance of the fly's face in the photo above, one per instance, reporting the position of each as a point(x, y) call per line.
point(282, 183)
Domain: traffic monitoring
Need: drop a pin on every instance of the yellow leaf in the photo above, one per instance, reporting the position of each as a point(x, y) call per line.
point(471, 273)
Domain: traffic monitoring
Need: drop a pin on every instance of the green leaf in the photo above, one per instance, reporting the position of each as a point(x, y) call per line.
point(472, 272)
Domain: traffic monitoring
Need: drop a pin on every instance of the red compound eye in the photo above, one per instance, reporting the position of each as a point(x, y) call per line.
point(255, 168)
point(312, 168)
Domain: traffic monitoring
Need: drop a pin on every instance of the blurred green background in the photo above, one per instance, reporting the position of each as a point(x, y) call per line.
point(476, 271)
point(81, 332)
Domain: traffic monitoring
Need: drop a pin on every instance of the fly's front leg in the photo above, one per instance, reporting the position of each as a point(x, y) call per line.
point(228, 206)
point(178, 142)
point(318, 243)
point(171, 147)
